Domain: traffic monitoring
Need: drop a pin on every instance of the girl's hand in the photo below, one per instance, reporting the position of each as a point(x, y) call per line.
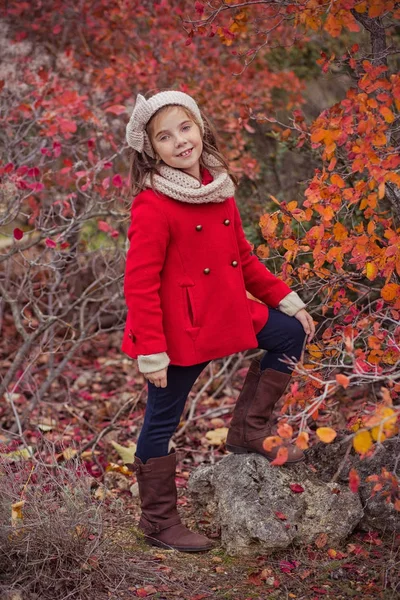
point(307, 322)
point(158, 378)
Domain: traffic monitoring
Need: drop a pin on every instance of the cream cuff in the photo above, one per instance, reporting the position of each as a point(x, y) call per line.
point(291, 304)
point(153, 362)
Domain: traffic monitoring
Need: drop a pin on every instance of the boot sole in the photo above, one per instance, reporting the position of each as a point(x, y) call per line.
point(159, 544)
point(241, 450)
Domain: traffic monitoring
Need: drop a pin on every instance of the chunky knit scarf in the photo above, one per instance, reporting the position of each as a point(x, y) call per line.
point(181, 186)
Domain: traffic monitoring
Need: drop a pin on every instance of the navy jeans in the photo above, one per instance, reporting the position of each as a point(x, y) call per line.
point(281, 336)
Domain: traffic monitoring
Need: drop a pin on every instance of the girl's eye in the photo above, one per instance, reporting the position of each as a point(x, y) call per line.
point(186, 127)
point(164, 137)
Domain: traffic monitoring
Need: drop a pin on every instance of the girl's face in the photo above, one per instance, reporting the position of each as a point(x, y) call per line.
point(177, 140)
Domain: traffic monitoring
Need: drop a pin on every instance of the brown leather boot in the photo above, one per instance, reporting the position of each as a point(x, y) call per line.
point(251, 422)
point(160, 521)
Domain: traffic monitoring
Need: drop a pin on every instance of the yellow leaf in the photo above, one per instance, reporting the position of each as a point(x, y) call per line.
point(127, 453)
point(23, 454)
point(16, 511)
point(217, 436)
point(371, 270)
point(362, 442)
point(326, 434)
point(69, 453)
point(377, 434)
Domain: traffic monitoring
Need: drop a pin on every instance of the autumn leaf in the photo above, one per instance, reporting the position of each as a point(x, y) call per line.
point(116, 109)
point(281, 457)
point(326, 434)
point(16, 455)
point(127, 453)
point(343, 380)
point(302, 440)
point(321, 540)
point(50, 243)
point(390, 291)
point(217, 436)
point(354, 481)
point(371, 270)
point(16, 512)
point(285, 430)
point(280, 516)
point(271, 442)
point(362, 442)
point(296, 488)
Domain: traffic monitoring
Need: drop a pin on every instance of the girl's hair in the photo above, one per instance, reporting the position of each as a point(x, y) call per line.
point(143, 165)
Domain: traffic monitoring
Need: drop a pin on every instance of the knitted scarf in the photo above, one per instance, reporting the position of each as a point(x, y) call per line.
point(181, 186)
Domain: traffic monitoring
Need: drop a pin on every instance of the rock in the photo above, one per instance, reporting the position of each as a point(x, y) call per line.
point(258, 511)
point(378, 514)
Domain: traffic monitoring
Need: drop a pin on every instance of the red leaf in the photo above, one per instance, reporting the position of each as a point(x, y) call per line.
point(57, 29)
point(281, 516)
point(354, 481)
point(18, 233)
point(116, 109)
point(50, 243)
point(103, 226)
point(199, 7)
point(117, 181)
point(286, 566)
point(296, 488)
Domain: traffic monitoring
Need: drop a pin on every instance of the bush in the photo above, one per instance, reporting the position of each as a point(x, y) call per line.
point(56, 540)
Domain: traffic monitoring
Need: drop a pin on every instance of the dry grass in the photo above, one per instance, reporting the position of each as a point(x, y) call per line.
point(56, 540)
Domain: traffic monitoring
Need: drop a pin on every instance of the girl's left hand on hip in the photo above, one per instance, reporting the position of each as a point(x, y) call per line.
point(307, 321)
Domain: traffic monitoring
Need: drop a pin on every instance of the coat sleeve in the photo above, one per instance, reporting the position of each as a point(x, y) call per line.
point(149, 236)
point(259, 281)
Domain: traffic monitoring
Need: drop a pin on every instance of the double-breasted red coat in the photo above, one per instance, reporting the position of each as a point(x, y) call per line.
point(187, 271)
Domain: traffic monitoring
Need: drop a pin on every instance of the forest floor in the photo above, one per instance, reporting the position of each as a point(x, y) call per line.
point(101, 404)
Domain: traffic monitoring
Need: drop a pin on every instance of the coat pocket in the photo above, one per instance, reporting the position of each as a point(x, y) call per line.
point(191, 324)
point(190, 308)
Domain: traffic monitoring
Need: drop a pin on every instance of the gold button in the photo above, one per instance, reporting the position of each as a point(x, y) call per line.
point(199, 227)
point(234, 263)
point(227, 222)
point(206, 271)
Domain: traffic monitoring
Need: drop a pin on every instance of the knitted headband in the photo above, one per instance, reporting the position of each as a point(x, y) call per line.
point(136, 134)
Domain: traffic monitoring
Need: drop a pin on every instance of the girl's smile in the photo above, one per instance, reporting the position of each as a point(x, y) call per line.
point(177, 140)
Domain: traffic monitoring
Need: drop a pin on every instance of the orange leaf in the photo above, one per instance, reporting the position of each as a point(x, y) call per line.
point(302, 440)
point(337, 180)
point(343, 380)
point(390, 291)
point(271, 442)
point(285, 430)
point(326, 434)
point(321, 540)
point(387, 114)
point(281, 457)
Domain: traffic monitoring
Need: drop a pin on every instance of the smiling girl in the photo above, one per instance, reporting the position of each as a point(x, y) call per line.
point(188, 271)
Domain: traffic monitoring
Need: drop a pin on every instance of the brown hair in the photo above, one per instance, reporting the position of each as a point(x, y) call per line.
point(143, 165)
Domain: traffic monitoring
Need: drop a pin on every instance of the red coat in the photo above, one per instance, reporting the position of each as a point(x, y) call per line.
point(187, 271)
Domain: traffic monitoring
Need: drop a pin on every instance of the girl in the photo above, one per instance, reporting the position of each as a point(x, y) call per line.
point(188, 269)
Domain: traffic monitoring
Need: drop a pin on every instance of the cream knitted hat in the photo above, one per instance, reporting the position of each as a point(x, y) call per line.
point(136, 134)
